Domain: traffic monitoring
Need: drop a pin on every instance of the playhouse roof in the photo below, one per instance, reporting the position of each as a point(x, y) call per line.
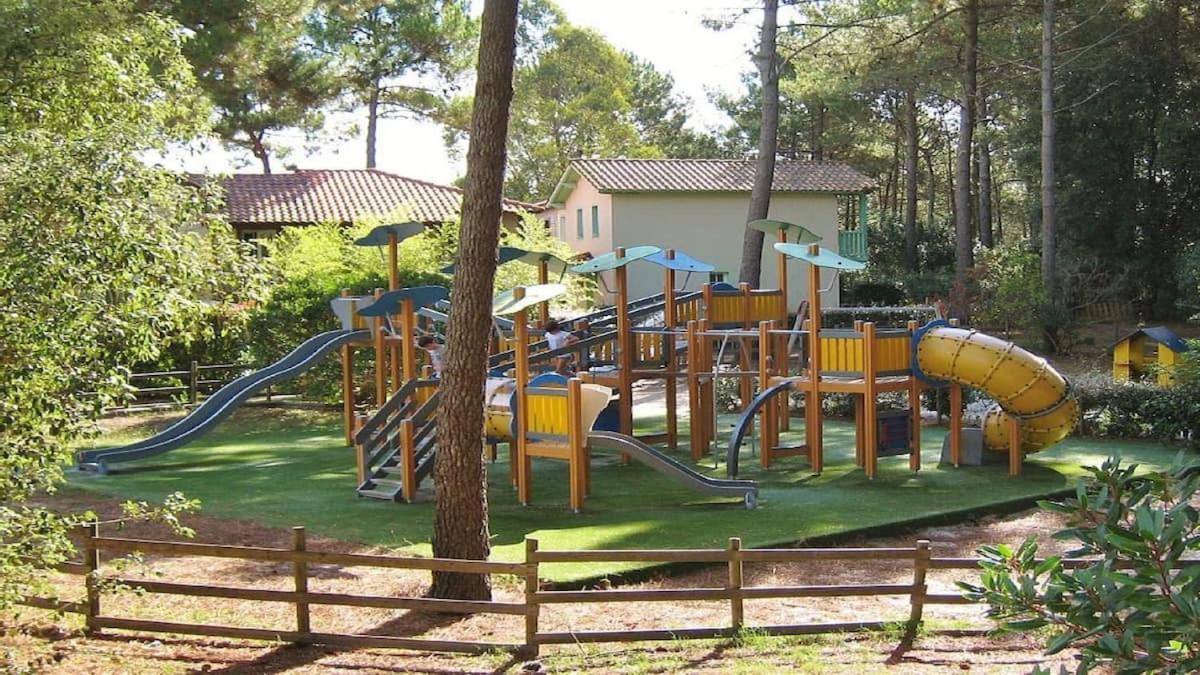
point(1160, 334)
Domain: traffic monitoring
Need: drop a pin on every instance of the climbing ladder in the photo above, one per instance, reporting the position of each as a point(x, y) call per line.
point(397, 445)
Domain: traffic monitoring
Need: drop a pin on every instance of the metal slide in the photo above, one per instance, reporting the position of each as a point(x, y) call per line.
point(222, 403)
point(1022, 384)
point(747, 490)
point(746, 422)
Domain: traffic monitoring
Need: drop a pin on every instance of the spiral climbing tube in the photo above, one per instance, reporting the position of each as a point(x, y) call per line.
point(1022, 384)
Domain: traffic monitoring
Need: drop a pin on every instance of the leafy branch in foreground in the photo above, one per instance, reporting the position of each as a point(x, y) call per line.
point(1134, 603)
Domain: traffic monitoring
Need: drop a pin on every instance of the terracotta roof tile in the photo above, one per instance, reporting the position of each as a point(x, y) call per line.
point(339, 196)
point(717, 175)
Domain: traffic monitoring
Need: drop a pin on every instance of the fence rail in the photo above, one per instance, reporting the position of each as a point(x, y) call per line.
point(735, 591)
point(198, 381)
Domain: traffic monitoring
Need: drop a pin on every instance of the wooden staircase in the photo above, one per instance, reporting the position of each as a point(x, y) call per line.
point(397, 446)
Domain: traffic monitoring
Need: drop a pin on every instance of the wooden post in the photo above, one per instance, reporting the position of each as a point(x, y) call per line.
point(532, 607)
point(914, 406)
point(625, 347)
point(393, 262)
point(300, 576)
point(708, 413)
point(956, 408)
point(360, 450)
point(736, 614)
point(746, 388)
point(380, 358)
point(781, 262)
point(870, 401)
point(860, 432)
point(408, 459)
point(347, 382)
point(669, 356)
point(812, 404)
point(194, 383)
point(577, 442)
point(543, 308)
point(1014, 445)
point(521, 350)
point(919, 591)
point(769, 422)
point(695, 414)
point(91, 562)
point(409, 345)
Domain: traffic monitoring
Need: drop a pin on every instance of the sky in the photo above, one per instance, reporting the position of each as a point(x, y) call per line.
point(668, 33)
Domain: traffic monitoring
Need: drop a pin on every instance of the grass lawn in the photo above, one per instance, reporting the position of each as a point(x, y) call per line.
point(284, 468)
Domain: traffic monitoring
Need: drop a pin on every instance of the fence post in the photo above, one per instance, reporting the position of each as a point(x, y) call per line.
point(735, 583)
point(300, 575)
point(194, 383)
point(91, 561)
point(920, 566)
point(532, 609)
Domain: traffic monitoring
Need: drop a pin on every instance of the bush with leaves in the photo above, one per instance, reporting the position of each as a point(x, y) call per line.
point(1131, 605)
point(1010, 296)
point(98, 271)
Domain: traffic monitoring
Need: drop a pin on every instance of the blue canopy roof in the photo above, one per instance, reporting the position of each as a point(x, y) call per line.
point(506, 303)
point(421, 296)
point(379, 236)
point(823, 258)
point(1163, 336)
point(682, 262)
point(801, 234)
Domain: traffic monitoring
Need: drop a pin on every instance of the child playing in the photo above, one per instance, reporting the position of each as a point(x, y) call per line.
point(434, 349)
point(557, 338)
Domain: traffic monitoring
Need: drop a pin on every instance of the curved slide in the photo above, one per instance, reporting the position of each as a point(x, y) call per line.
point(746, 422)
point(1022, 384)
point(222, 403)
point(747, 490)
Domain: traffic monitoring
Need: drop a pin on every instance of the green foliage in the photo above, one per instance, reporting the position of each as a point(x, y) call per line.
point(1129, 609)
point(1143, 409)
point(98, 271)
point(1010, 293)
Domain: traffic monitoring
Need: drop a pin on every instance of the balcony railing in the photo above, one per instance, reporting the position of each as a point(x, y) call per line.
point(853, 243)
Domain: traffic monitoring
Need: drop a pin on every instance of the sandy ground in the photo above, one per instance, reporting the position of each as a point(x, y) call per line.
point(956, 636)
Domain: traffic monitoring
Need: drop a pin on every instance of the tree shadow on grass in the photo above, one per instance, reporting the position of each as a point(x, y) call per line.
point(289, 656)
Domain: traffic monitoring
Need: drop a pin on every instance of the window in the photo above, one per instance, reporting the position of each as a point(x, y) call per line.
point(562, 227)
point(579, 223)
point(257, 238)
point(595, 222)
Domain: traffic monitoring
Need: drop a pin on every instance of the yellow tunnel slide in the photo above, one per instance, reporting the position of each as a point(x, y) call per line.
point(1021, 383)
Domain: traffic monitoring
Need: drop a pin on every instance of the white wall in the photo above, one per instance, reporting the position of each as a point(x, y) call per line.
point(709, 226)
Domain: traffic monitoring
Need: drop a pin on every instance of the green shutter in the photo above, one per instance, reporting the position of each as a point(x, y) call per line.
point(595, 222)
point(579, 223)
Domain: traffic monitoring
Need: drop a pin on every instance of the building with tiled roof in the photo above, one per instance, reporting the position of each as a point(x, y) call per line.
point(257, 205)
point(699, 206)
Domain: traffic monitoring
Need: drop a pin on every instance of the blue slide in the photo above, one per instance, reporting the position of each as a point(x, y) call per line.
point(746, 422)
point(222, 403)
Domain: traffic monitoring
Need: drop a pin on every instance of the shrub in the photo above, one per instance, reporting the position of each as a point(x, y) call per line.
point(1129, 609)
point(1010, 293)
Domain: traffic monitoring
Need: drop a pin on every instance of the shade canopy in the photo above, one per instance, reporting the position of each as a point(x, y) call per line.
point(610, 261)
point(681, 262)
point(793, 232)
point(507, 303)
point(823, 258)
point(379, 236)
point(507, 254)
point(421, 296)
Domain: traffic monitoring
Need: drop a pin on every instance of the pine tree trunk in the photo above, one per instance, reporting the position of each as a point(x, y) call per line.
point(372, 124)
point(260, 151)
point(764, 171)
point(985, 176)
point(460, 522)
point(964, 257)
point(818, 131)
point(1049, 197)
point(910, 180)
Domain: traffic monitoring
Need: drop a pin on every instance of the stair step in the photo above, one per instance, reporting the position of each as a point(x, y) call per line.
point(386, 495)
point(387, 482)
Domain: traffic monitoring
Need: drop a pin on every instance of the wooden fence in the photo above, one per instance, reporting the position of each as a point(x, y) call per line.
point(733, 591)
point(186, 386)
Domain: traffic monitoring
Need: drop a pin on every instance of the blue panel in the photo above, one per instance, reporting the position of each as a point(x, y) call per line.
point(682, 262)
point(421, 296)
point(379, 235)
point(610, 261)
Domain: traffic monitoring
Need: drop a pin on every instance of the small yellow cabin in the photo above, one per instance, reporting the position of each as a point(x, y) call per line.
point(1136, 353)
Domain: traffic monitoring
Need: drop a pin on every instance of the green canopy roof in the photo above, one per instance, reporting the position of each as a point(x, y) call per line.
point(378, 236)
point(508, 254)
point(506, 304)
point(824, 258)
point(610, 261)
point(794, 232)
point(421, 296)
point(682, 262)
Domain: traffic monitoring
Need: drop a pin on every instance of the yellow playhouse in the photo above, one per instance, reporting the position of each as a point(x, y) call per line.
point(1135, 353)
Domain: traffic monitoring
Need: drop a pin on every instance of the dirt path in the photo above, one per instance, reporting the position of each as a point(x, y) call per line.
point(58, 647)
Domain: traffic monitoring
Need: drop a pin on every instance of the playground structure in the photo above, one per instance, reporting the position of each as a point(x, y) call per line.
point(701, 336)
point(1155, 349)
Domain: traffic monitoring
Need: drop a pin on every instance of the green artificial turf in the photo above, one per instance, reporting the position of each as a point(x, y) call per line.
point(292, 472)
